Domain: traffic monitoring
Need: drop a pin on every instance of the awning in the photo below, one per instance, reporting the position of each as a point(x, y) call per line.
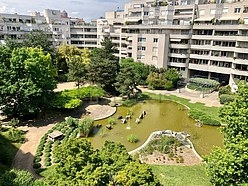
point(204, 19)
point(229, 18)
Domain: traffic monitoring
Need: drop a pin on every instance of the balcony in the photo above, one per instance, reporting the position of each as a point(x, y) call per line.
point(239, 72)
point(206, 47)
point(240, 61)
point(183, 46)
point(179, 36)
point(178, 55)
point(198, 67)
point(217, 69)
point(222, 58)
point(174, 64)
point(197, 56)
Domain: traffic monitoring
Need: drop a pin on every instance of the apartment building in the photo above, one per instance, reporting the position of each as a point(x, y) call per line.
point(199, 38)
point(62, 28)
point(205, 38)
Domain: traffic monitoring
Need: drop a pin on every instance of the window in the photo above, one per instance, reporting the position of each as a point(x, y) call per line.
point(225, 10)
point(155, 40)
point(163, 13)
point(146, 13)
point(140, 56)
point(237, 10)
point(141, 39)
point(141, 48)
point(154, 58)
point(151, 13)
point(212, 11)
point(202, 12)
point(155, 49)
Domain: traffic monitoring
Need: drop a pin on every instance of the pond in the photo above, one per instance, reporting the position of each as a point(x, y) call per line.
point(164, 115)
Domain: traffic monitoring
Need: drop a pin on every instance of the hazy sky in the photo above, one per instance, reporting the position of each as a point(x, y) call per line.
point(87, 9)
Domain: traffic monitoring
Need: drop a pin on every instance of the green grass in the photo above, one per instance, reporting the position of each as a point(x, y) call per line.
point(170, 175)
point(210, 111)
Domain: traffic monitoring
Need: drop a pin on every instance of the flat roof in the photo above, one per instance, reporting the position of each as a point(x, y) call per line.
point(55, 134)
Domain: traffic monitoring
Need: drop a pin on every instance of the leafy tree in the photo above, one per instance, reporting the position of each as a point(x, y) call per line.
point(77, 70)
point(125, 82)
point(80, 164)
point(135, 173)
point(35, 39)
point(16, 178)
point(141, 71)
point(27, 79)
point(229, 166)
point(172, 75)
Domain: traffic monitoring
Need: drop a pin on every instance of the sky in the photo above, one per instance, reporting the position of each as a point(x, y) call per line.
point(86, 9)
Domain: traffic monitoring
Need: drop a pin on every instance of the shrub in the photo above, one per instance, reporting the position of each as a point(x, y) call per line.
point(37, 159)
point(168, 85)
point(203, 118)
point(227, 98)
point(129, 102)
point(204, 82)
point(48, 163)
point(225, 90)
point(15, 135)
point(85, 126)
point(132, 138)
point(111, 121)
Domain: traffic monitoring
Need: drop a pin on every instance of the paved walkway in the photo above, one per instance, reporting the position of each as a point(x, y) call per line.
point(210, 100)
point(25, 155)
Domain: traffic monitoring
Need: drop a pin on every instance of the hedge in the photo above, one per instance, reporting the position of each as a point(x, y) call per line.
point(205, 82)
point(227, 98)
point(203, 118)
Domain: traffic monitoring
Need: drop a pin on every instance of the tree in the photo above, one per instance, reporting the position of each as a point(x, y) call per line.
point(80, 164)
point(77, 70)
point(229, 166)
point(35, 39)
point(135, 173)
point(27, 79)
point(104, 66)
point(172, 75)
point(126, 83)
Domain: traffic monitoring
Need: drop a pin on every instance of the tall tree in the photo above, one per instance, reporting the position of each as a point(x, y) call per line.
point(229, 166)
point(104, 66)
point(26, 80)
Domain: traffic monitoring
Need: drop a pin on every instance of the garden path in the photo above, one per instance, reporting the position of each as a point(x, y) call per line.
point(25, 155)
point(210, 100)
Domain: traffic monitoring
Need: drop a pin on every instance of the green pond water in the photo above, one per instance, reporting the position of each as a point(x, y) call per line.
point(160, 116)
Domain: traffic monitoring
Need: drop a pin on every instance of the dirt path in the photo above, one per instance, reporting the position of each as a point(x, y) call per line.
point(25, 155)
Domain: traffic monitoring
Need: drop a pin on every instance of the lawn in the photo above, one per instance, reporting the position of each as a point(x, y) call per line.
point(210, 111)
point(181, 175)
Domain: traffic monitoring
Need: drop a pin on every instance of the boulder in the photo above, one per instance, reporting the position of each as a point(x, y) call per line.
point(141, 116)
point(119, 117)
point(123, 120)
point(128, 117)
point(137, 120)
point(109, 127)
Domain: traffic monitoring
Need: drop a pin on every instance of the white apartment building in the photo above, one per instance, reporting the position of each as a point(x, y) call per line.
point(54, 22)
point(199, 38)
point(206, 38)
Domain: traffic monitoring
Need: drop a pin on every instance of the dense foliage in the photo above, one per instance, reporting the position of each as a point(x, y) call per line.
point(229, 166)
point(80, 164)
point(202, 82)
point(225, 94)
point(71, 99)
point(26, 80)
point(203, 117)
point(163, 79)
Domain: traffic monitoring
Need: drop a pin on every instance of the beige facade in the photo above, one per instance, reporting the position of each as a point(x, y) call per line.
point(199, 38)
point(203, 38)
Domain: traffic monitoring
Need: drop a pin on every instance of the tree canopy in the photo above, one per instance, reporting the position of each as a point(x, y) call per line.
point(27, 77)
point(229, 166)
point(80, 164)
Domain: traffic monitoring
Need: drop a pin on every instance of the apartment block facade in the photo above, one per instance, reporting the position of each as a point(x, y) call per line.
point(204, 38)
point(53, 22)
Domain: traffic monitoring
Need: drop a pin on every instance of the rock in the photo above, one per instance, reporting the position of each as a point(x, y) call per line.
point(119, 117)
point(141, 116)
point(123, 120)
point(128, 117)
point(198, 124)
point(144, 112)
point(109, 127)
point(99, 125)
point(137, 120)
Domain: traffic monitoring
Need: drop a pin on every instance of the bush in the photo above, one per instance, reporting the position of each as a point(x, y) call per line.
point(129, 102)
point(15, 135)
point(132, 138)
point(225, 90)
point(85, 126)
point(111, 121)
point(37, 159)
point(203, 118)
point(227, 98)
point(204, 82)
